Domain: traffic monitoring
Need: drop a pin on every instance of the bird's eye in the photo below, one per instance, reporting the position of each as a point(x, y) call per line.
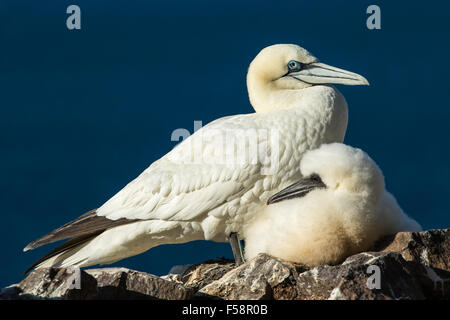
point(294, 66)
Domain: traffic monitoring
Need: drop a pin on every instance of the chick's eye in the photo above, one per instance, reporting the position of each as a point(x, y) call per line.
point(294, 65)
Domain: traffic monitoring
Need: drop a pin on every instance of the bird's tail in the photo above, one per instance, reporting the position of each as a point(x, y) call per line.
point(117, 243)
point(60, 257)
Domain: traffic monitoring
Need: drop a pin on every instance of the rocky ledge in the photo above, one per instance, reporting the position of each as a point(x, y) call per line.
point(408, 265)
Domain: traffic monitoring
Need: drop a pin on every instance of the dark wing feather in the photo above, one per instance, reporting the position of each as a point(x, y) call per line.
point(87, 224)
point(64, 247)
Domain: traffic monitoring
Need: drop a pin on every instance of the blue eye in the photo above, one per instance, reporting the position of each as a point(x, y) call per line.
point(294, 66)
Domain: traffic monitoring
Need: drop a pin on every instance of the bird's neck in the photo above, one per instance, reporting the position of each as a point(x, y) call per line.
point(265, 98)
point(323, 105)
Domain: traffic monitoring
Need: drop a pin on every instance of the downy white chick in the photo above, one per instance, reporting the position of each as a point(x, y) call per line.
point(339, 208)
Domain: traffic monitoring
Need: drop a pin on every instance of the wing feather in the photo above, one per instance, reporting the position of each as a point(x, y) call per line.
point(192, 179)
point(88, 223)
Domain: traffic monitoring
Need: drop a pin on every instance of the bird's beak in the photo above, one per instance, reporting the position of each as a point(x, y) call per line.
point(320, 73)
point(298, 189)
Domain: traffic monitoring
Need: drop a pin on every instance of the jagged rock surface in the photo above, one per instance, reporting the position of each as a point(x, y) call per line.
point(126, 284)
point(52, 283)
point(408, 265)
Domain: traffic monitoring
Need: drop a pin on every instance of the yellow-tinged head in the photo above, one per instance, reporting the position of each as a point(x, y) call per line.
point(290, 67)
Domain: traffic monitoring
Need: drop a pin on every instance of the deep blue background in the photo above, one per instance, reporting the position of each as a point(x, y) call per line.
point(84, 112)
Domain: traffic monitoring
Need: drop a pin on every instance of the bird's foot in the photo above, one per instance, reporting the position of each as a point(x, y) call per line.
point(236, 248)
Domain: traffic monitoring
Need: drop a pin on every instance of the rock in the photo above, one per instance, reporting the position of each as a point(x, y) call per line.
point(408, 265)
point(349, 280)
point(176, 272)
point(429, 248)
point(253, 280)
point(126, 284)
point(105, 283)
point(199, 275)
point(266, 277)
point(179, 269)
point(397, 279)
point(53, 283)
point(411, 265)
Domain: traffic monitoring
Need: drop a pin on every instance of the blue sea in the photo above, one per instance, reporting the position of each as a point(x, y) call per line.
point(83, 112)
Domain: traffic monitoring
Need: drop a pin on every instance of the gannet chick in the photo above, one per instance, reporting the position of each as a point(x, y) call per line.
point(194, 193)
point(339, 208)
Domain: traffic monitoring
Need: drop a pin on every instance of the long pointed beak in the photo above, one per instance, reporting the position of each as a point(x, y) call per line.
point(298, 189)
point(320, 73)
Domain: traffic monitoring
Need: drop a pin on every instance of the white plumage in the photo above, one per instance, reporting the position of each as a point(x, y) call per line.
point(342, 212)
point(192, 194)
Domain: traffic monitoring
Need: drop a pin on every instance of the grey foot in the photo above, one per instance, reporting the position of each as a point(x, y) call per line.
point(236, 248)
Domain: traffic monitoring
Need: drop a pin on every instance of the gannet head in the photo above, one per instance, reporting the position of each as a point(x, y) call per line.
point(339, 168)
point(290, 67)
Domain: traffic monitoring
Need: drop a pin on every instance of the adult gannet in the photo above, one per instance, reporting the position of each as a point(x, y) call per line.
point(340, 207)
point(190, 194)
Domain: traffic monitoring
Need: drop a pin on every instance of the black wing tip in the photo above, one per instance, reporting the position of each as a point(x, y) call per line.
point(69, 244)
point(29, 247)
point(37, 243)
point(86, 226)
point(29, 270)
point(33, 266)
point(40, 242)
point(56, 234)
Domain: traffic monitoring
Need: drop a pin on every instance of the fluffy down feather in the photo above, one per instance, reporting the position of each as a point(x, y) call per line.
point(329, 224)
